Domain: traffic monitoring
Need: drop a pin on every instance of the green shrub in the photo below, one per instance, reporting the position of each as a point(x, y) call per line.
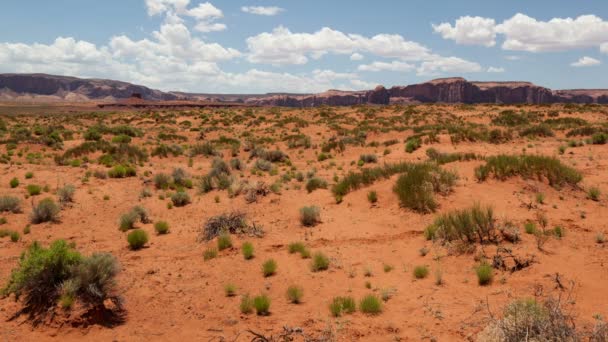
point(127, 221)
point(315, 183)
point(230, 290)
point(224, 241)
point(341, 305)
point(485, 274)
point(421, 272)
point(367, 176)
point(137, 239)
point(294, 294)
point(210, 253)
point(412, 145)
point(246, 305)
point(162, 181)
point(310, 216)
point(161, 227)
point(370, 304)
point(319, 262)
point(559, 232)
point(14, 182)
point(599, 138)
point(261, 304)
point(15, 236)
point(248, 250)
point(368, 158)
point(593, 193)
point(122, 171)
point(416, 188)
point(537, 131)
point(34, 189)
point(29, 175)
point(474, 224)
point(529, 166)
point(372, 197)
point(269, 267)
point(444, 158)
point(180, 199)
point(45, 211)
point(10, 203)
point(530, 228)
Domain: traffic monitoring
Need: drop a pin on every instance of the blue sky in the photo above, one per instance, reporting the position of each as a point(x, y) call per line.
point(307, 46)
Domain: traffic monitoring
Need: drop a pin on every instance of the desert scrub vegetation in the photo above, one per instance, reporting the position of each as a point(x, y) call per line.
point(485, 273)
point(66, 194)
point(340, 305)
point(445, 158)
point(367, 176)
point(370, 304)
point(47, 276)
point(127, 220)
point(298, 247)
point(248, 250)
point(10, 204)
point(161, 227)
point(230, 223)
point(417, 187)
point(315, 183)
point(421, 272)
point(310, 216)
point(469, 225)
point(319, 262)
point(224, 241)
point(269, 267)
point(45, 211)
point(180, 198)
point(137, 239)
point(294, 294)
point(528, 166)
point(261, 304)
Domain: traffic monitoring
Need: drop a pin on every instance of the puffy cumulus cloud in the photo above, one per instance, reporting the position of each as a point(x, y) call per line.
point(384, 66)
point(586, 62)
point(281, 46)
point(524, 33)
point(205, 14)
point(440, 65)
point(469, 31)
point(496, 69)
point(262, 10)
point(356, 57)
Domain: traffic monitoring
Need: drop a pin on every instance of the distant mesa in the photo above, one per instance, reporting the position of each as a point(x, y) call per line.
point(51, 88)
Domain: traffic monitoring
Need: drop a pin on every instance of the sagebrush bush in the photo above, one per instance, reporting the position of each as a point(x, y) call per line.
point(310, 216)
point(127, 221)
point(315, 183)
point(370, 304)
point(66, 193)
point(10, 203)
point(161, 227)
point(248, 250)
point(269, 267)
point(162, 181)
point(319, 262)
point(294, 294)
point(180, 199)
point(45, 211)
point(137, 239)
point(417, 187)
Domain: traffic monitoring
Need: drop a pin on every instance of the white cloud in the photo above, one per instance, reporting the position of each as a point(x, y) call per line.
point(262, 10)
point(383, 66)
point(513, 58)
point(205, 14)
point(604, 48)
point(586, 62)
point(496, 69)
point(356, 57)
point(469, 31)
point(447, 65)
point(362, 85)
point(157, 7)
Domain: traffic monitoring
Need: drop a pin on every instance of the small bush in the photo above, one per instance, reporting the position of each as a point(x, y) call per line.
point(224, 242)
point(14, 182)
point(593, 193)
point(45, 211)
point(421, 272)
point(180, 199)
point(416, 187)
point(230, 290)
point(10, 204)
point(474, 224)
point(261, 304)
point(161, 227)
point(210, 253)
point(341, 305)
point(319, 262)
point(294, 294)
point(246, 305)
point(269, 267)
point(233, 223)
point(315, 183)
point(484, 273)
point(412, 145)
point(161, 181)
point(368, 158)
point(370, 304)
point(34, 189)
point(530, 228)
point(310, 216)
point(137, 239)
point(372, 197)
point(66, 194)
point(248, 250)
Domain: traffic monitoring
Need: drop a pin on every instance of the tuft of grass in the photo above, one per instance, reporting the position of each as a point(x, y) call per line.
point(137, 239)
point(210, 253)
point(469, 225)
point(248, 250)
point(310, 216)
point(319, 262)
point(416, 188)
point(230, 290)
point(269, 267)
point(370, 304)
point(294, 294)
point(14, 182)
point(485, 274)
point(127, 221)
point(341, 305)
point(261, 304)
point(10, 203)
point(421, 272)
point(224, 241)
point(246, 305)
point(593, 193)
point(33, 189)
point(530, 228)
point(161, 227)
point(315, 183)
point(372, 197)
point(66, 194)
point(180, 198)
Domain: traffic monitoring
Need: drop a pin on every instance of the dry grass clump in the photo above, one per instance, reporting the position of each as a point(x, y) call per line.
point(310, 216)
point(10, 203)
point(417, 187)
point(474, 224)
point(229, 223)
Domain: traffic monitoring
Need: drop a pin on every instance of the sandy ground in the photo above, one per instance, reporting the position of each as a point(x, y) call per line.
point(171, 293)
